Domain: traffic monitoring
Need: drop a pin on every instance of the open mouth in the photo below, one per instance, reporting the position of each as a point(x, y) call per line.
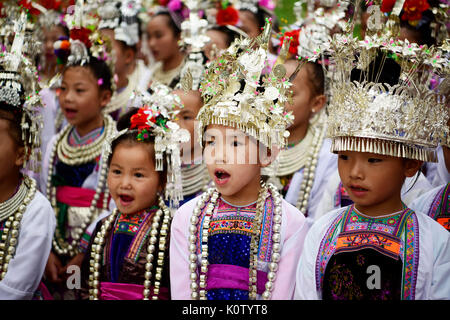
point(125, 200)
point(221, 176)
point(69, 113)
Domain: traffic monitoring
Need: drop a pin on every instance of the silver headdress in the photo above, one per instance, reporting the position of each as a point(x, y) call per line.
point(406, 119)
point(252, 5)
point(122, 17)
point(193, 39)
point(85, 39)
point(235, 97)
point(155, 117)
point(18, 88)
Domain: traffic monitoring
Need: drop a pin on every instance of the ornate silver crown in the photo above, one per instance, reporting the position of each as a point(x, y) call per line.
point(407, 119)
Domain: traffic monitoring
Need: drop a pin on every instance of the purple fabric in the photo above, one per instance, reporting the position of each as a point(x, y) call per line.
point(127, 291)
point(233, 277)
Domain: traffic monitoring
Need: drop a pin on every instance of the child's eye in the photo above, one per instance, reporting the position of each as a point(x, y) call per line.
point(343, 157)
point(138, 175)
point(80, 90)
point(374, 160)
point(236, 143)
point(116, 171)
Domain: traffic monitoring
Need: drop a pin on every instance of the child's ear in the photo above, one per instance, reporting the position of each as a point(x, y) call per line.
point(129, 55)
point(20, 157)
point(105, 97)
point(267, 156)
point(411, 167)
point(318, 103)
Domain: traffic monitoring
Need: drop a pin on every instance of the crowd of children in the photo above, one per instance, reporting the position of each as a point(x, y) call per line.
point(204, 150)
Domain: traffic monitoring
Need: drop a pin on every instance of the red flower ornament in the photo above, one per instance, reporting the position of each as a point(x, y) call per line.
point(81, 34)
point(294, 34)
point(412, 9)
point(228, 16)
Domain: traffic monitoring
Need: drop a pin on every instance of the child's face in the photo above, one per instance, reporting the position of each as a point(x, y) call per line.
point(374, 181)
point(121, 54)
point(162, 41)
point(50, 36)
point(233, 163)
point(303, 98)
point(11, 155)
point(192, 102)
point(132, 179)
point(218, 39)
point(81, 99)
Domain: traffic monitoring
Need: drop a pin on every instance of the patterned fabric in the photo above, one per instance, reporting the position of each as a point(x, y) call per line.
point(75, 140)
point(129, 232)
point(129, 224)
point(393, 237)
point(410, 257)
point(342, 198)
point(440, 207)
point(229, 239)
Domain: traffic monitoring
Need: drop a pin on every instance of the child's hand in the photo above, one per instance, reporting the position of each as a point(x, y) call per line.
point(52, 269)
point(77, 261)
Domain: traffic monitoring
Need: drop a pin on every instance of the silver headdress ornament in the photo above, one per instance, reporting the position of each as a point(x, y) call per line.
point(122, 17)
point(252, 5)
point(18, 88)
point(235, 97)
point(193, 38)
point(155, 117)
point(407, 119)
point(85, 39)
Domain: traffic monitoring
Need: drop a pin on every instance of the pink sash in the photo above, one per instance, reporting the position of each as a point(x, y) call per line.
point(46, 295)
point(77, 197)
point(233, 277)
point(127, 291)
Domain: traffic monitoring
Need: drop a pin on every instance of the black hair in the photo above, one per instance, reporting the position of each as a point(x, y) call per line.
point(316, 77)
point(382, 69)
point(130, 137)
point(230, 35)
point(13, 115)
point(99, 69)
point(172, 23)
point(260, 16)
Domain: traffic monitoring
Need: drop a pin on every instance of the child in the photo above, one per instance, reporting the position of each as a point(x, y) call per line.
point(123, 28)
point(239, 240)
point(436, 202)
point(27, 221)
point(129, 248)
point(72, 167)
point(378, 248)
point(306, 165)
point(193, 171)
point(163, 34)
point(222, 29)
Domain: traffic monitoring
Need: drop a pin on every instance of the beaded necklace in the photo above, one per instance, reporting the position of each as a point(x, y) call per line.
point(211, 196)
point(86, 154)
point(99, 241)
point(77, 155)
point(310, 171)
point(16, 210)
